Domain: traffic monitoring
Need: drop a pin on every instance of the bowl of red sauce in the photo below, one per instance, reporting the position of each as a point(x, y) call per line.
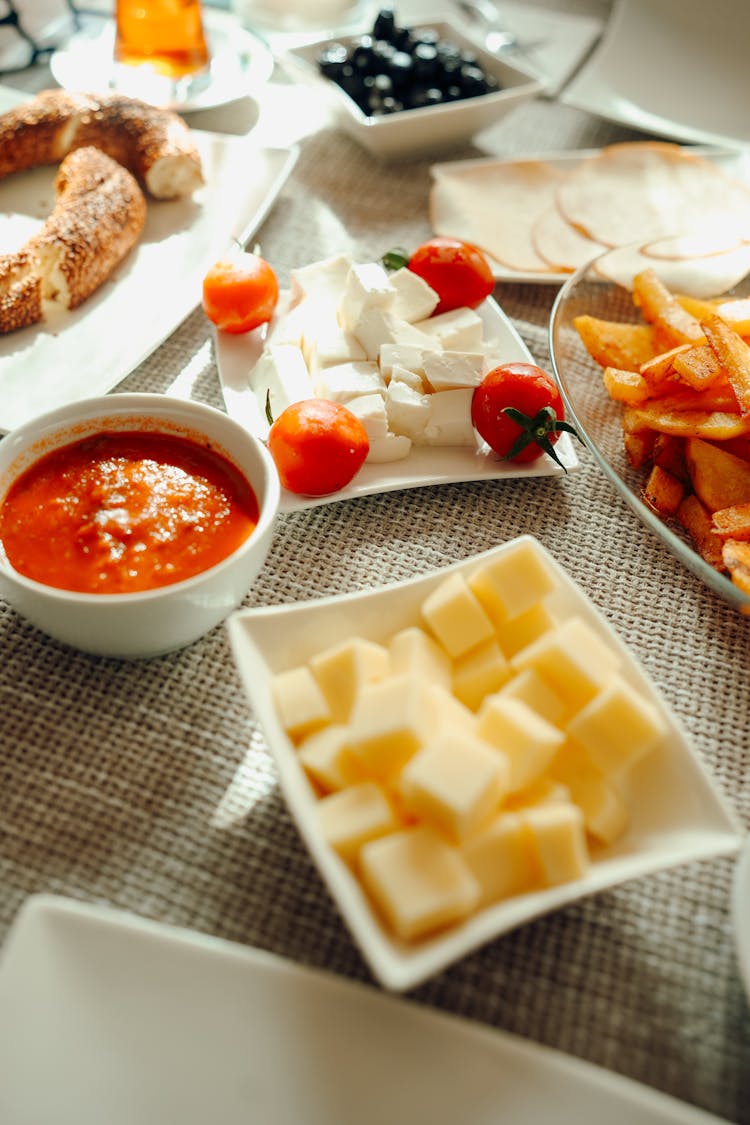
point(132, 524)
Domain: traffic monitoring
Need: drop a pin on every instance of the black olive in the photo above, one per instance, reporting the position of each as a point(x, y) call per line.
point(385, 23)
point(402, 70)
point(332, 58)
point(473, 81)
point(425, 62)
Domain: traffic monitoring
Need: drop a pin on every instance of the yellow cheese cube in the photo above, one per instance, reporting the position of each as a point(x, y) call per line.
point(390, 720)
point(300, 704)
point(546, 791)
point(533, 690)
point(513, 582)
point(501, 858)
point(418, 881)
point(451, 713)
point(605, 813)
point(455, 616)
point(529, 741)
point(414, 651)
point(479, 672)
point(573, 658)
point(327, 759)
point(519, 632)
point(342, 669)
point(559, 840)
point(618, 727)
point(353, 816)
point(455, 783)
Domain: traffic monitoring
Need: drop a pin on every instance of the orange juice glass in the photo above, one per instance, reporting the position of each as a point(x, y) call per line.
point(166, 35)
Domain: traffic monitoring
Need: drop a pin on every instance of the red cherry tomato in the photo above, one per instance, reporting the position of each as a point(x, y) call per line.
point(240, 292)
point(518, 411)
point(318, 447)
point(457, 271)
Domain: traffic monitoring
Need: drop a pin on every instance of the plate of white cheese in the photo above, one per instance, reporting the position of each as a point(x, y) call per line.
point(371, 339)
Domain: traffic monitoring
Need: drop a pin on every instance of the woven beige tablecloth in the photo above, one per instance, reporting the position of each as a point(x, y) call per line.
point(114, 776)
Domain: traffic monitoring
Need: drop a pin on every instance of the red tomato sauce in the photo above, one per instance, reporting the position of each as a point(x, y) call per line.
point(120, 512)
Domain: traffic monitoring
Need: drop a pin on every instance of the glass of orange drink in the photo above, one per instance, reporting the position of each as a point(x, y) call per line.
point(165, 36)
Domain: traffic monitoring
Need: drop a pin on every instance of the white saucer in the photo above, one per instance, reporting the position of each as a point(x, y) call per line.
point(240, 65)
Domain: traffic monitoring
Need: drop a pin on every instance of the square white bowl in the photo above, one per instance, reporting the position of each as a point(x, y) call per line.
point(430, 128)
point(679, 815)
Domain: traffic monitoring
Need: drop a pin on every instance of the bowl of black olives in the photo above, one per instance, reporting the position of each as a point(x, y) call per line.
point(402, 90)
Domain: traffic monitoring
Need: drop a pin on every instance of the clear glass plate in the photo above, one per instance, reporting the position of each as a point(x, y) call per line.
point(597, 417)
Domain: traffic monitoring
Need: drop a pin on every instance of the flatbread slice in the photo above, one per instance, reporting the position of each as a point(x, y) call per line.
point(638, 191)
point(494, 206)
point(704, 277)
point(561, 245)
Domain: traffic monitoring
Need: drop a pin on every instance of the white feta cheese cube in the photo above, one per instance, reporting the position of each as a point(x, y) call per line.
point(393, 447)
point(330, 346)
point(459, 330)
point(449, 421)
point(377, 326)
point(408, 357)
point(281, 374)
point(449, 370)
point(415, 299)
point(346, 381)
point(408, 410)
point(367, 286)
point(410, 378)
point(370, 409)
point(324, 279)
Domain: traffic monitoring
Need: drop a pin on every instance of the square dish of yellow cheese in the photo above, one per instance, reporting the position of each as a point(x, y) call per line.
point(468, 750)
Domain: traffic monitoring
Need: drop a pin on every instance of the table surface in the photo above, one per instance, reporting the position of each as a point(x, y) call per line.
point(149, 786)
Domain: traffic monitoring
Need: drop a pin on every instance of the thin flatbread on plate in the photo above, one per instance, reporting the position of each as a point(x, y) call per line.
point(637, 191)
point(561, 245)
point(494, 206)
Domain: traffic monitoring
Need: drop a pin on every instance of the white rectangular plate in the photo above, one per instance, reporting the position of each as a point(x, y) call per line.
point(86, 352)
point(672, 68)
point(236, 357)
point(732, 161)
point(107, 1017)
point(677, 813)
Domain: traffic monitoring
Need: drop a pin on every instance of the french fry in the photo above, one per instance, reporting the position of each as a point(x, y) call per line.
point(698, 367)
point(733, 354)
point(735, 311)
point(698, 523)
point(736, 558)
point(714, 425)
point(663, 492)
point(674, 325)
point(669, 454)
point(625, 386)
point(639, 447)
point(720, 480)
point(733, 522)
point(613, 344)
point(660, 369)
point(685, 398)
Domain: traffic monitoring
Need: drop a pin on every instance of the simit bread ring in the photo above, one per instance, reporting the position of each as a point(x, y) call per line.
point(97, 219)
point(154, 144)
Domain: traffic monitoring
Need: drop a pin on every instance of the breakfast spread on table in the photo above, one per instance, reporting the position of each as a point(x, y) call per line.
point(497, 748)
point(103, 143)
point(473, 755)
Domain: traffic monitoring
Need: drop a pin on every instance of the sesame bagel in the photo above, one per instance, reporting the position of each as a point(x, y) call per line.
point(153, 143)
point(97, 219)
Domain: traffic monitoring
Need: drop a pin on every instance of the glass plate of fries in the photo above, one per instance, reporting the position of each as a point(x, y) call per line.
point(652, 354)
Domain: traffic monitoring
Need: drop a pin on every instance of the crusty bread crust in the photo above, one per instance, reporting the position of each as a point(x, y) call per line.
point(97, 220)
point(153, 143)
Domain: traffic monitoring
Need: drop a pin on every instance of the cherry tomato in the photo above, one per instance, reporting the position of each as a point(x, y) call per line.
point(240, 292)
point(518, 411)
point(318, 446)
point(457, 271)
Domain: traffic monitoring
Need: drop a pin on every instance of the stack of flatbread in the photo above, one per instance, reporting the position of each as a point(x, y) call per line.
point(654, 202)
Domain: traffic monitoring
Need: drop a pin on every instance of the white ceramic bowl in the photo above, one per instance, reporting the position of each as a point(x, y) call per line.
point(677, 813)
point(151, 622)
point(429, 129)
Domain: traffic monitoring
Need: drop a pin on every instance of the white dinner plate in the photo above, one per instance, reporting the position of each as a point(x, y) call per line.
point(107, 1017)
point(733, 161)
point(678, 814)
point(86, 352)
point(240, 64)
point(236, 357)
point(671, 67)
point(741, 914)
